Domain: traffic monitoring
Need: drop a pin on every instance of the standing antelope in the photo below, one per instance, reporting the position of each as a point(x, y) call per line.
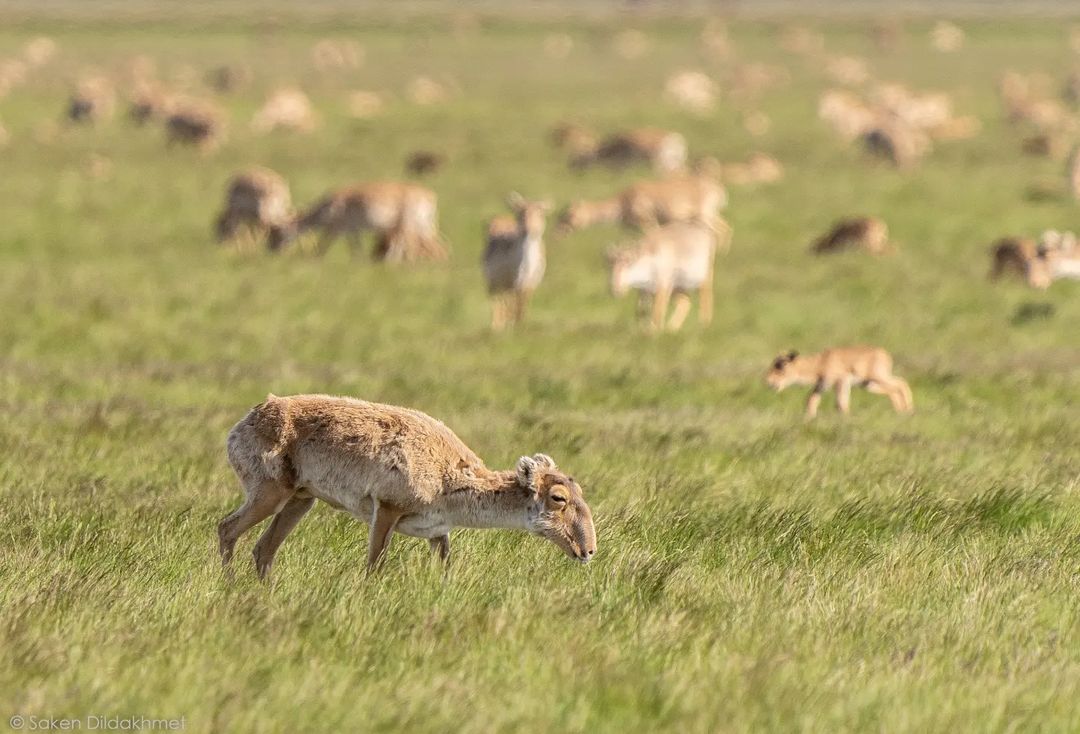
point(258, 199)
point(403, 217)
point(514, 259)
point(864, 233)
point(671, 260)
point(840, 369)
point(396, 469)
point(698, 198)
point(664, 150)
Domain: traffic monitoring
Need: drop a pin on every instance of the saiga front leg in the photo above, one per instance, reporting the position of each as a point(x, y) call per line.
point(383, 519)
point(815, 400)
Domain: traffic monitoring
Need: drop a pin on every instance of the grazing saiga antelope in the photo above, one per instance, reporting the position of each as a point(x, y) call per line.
point(514, 259)
point(676, 259)
point(697, 198)
point(403, 217)
point(396, 469)
point(864, 233)
point(199, 125)
point(840, 369)
point(92, 101)
point(1020, 256)
point(258, 199)
point(664, 150)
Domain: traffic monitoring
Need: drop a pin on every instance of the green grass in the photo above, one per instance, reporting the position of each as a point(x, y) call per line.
point(874, 573)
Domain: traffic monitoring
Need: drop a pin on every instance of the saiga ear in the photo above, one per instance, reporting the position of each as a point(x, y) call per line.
point(526, 472)
point(792, 355)
point(515, 200)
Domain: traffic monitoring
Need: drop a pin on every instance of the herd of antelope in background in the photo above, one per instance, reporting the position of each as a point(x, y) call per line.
point(676, 212)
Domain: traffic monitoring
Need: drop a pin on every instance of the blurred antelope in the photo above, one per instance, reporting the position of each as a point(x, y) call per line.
point(864, 233)
point(697, 198)
point(286, 108)
point(1019, 256)
point(257, 199)
point(399, 470)
point(514, 259)
point(672, 260)
point(194, 124)
point(93, 101)
point(403, 217)
point(841, 369)
point(148, 102)
point(664, 150)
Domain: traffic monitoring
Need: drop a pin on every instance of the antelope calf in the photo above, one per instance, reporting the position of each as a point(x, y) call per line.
point(863, 233)
point(840, 369)
point(257, 199)
point(514, 259)
point(676, 259)
point(403, 217)
point(664, 150)
point(194, 124)
point(396, 469)
point(646, 204)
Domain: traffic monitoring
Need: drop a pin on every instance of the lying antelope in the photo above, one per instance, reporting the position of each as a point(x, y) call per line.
point(672, 260)
point(1022, 257)
point(645, 204)
point(840, 369)
point(397, 469)
point(664, 150)
point(257, 199)
point(403, 217)
point(194, 124)
point(514, 259)
point(863, 233)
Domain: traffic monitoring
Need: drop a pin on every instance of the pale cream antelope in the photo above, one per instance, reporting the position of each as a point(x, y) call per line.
point(696, 198)
point(671, 261)
point(257, 200)
point(287, 108)
point(402, 216)
point(399, 470)
point(841, 369)
point(515, 259)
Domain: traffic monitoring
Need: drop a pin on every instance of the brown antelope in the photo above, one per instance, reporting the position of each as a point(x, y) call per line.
point(1022, 257)
point(403, 217)
point(864, 233)
point(514, 259)
point(676, 259)
point(664, 150)
point(396, 469)
point(841, 369)
point(697, 198)
point(423, 162)
point(257, 199)
point(194, 124)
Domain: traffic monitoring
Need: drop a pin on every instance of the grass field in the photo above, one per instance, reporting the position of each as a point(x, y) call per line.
point(873, 573)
